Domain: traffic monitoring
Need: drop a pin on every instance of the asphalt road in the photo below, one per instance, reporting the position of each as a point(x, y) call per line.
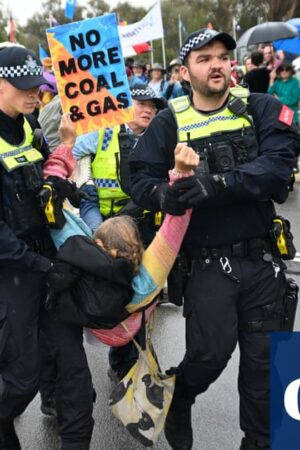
point(215, 414)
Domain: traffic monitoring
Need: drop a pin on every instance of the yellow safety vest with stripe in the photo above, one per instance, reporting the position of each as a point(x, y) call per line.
point(15, 156)
point(104, 168)
point(224, 128)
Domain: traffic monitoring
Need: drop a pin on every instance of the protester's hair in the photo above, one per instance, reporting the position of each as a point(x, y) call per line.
point(257, 57)
point(119, 236)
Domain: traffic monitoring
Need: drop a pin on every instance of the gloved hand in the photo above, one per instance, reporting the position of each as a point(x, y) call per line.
point(67, 189)
point(61, 275)
point(194, 190)
point(170, 202)
point(131, 209)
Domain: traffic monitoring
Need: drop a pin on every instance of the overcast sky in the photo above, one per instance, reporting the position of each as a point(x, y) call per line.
point(23, 9)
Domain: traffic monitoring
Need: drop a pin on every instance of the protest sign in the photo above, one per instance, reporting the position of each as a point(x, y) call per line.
point(90, 72)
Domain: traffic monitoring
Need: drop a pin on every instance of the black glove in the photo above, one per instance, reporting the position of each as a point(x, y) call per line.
point(67, 189)
point(170, 202)
point(194, 190)
point(131, 209)
point(61, 275)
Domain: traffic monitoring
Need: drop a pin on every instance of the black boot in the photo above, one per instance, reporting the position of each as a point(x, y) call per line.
point(178, 427)
point(8, 438)
point(251, 444)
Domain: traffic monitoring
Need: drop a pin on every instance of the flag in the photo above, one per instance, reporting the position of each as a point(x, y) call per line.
point(136, 49)
point(11, 30)
point(70, 9)
point(42, 53)
point(52, 21)
point(183, 29)
point(147, 29)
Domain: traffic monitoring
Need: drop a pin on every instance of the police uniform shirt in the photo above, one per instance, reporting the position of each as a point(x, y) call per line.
point(247, 211)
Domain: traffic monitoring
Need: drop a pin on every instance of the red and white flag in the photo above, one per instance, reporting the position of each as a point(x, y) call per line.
point(147, 29)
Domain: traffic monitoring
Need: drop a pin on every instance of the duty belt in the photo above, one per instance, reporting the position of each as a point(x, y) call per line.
point(241, 249)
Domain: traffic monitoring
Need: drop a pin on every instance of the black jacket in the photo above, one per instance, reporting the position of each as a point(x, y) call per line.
point(248, 210)
point(98, 297)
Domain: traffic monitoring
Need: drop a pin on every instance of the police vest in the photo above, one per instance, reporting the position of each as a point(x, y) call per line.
point(223, 139)
point(105, 168)
point(15, 156)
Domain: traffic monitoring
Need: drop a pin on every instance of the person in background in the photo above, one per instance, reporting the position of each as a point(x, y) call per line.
point(47, 64)
point(49, 90)
point(139, 76)
point(175, 86)
point(259, 77)
point(147, 70)
point(285, 87)
point(247, 63)
point(157, 81)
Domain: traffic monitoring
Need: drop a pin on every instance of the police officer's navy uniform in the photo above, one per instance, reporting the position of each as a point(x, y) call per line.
point(232, 272)
point(25, 258)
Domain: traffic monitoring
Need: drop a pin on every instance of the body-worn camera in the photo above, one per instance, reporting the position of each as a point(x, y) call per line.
point(223, 157)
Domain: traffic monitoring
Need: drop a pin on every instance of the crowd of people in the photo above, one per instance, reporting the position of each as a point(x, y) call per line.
point(200, 174)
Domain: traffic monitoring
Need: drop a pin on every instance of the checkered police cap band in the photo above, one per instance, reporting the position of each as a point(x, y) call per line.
point(143, 92)
point(202, 37)
point(194, 42)
point(20, 71)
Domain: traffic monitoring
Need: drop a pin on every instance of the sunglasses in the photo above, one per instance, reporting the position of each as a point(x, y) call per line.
point(284, 69)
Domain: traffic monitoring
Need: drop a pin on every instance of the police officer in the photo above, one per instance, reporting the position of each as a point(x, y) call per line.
point(26, 250)
point(235, 283)
point(110, 174)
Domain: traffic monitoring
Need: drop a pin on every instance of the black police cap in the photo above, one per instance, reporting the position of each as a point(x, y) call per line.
point(21, 68)
point(202, 37)
point(143, 92)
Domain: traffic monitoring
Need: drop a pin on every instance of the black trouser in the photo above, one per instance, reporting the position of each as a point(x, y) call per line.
point(212, 305)
point(74, 389)
point(47, 384)
point(20, 298)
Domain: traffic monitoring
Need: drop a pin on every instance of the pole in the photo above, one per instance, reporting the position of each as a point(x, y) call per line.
point(234, 35)
point(163, 52)
point(179, 31)
point(152, 54)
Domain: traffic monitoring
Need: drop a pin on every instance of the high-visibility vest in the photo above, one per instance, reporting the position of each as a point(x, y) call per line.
point(105, 169)
point(209, 133)
point(15, 156)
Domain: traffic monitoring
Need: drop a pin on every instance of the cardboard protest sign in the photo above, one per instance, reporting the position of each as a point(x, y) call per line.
point(90, 72)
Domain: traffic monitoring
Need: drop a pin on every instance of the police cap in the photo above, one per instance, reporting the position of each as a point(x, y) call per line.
point(21, 68)
point(202, 37)
point(143, 92)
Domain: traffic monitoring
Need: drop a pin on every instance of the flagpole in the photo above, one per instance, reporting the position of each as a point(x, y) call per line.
point(179, 30)
point(152, 53)
point(163, 52)
point(234, 35)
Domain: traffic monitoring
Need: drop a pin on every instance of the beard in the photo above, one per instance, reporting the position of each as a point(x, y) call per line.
point(204, 89)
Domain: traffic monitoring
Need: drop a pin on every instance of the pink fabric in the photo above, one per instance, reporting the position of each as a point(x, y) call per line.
point(118, 336)
point(60, 163)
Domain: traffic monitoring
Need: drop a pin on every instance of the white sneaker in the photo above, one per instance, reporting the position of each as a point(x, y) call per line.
point(83, 171)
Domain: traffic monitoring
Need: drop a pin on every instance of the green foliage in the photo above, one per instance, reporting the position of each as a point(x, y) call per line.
point(193, 15)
